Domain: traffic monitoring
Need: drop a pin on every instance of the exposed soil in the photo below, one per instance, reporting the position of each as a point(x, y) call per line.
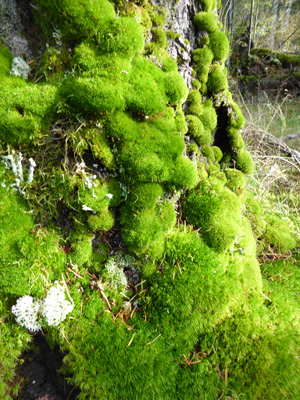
point(39, 374)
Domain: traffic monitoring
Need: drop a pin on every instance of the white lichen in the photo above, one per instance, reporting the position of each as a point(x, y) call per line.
point(19, 68)
point(32, 313)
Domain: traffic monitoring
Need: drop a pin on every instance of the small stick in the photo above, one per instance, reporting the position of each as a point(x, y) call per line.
point(79, 276)
point(153, 340)
point(41, 77)
point(71, 300)
point(131, 340)
point(187, 361)
point(226, 376)
point(104, 295)
point(266, 297)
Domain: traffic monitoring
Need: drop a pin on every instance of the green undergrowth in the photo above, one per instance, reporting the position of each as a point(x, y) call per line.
point(140, 210)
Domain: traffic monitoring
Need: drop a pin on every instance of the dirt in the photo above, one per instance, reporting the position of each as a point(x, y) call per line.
point(39, 376)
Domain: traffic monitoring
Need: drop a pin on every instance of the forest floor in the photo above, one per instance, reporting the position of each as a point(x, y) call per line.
point(39, 377)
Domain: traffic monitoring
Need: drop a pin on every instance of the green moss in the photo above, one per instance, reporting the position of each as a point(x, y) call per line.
point(279, 233)
point(92, 97)
point(286, 60)
point(217, 80)
point(196, 84)
point(6, 58)
point(180, 121)
point(144, 196)
point(219, 45)
point(198, 132)
point(169, 64)
point(208, 5)
point(235, 181)
point(209, 115)
point(75, 19)
point(100, 147)
point(194, 97)
point(244, 162)
point(36, 253)
point(202, 58)
point(255, 214)
point(123, 36)
point(217, 153)
point(193, 148)
point(236, 119)
point(159, 37)
point(195, 109)
point(91, 60)
point(172, 35)
point(206, 21)
point(184, 174)
point(103, 220)
point(81, 250)
point(216, 210)
point(235, 139)
point(175, 88)
point(25, 110)
point(208, 152)
point(146, 93)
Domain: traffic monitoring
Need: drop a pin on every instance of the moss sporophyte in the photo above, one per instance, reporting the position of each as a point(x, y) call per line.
point(131, 194)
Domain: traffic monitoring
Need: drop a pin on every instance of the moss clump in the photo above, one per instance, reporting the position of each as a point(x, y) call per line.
point(236, 118)
point(217, 153)
point(25, 110)
point(172, 35)
point(159, 37)
point(255, 214)
point(169, 64)
point(175, 88)
point(6, 58)
point(208, 5)
point(74, 21)
point(92, 97)
point(279, 233)
point(209, 115)
point(235, 180)
point(197, 131)
point(217, 80)
point(123, 37)
point(202, 58)
point(244, 162)
point(236, 140)
point(208, 152)
point(196, 84)
point(100, 147)
point(206, 21)
point(219, 45)
point(194, 97)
